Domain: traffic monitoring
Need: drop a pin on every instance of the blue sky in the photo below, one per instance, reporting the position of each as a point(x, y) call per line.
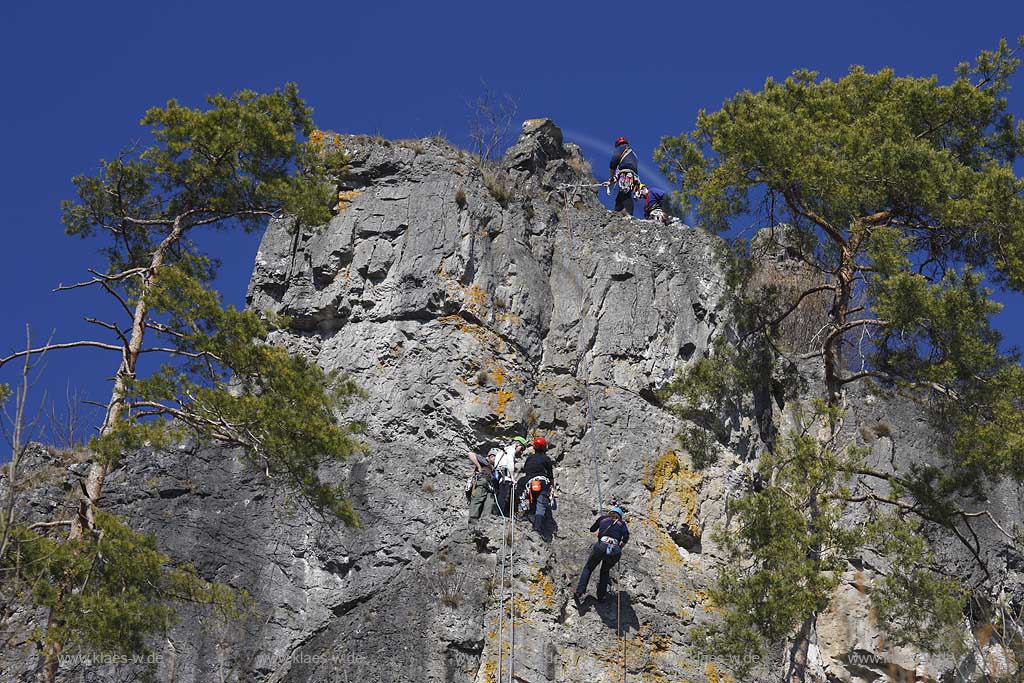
point(80, 75)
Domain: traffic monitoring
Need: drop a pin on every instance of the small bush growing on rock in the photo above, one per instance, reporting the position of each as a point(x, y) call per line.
point(416, 146)
point(460, 198)
point(448, 582)
point(497, 184)
point(701, 445)
point(883, 430)
point(581, 167)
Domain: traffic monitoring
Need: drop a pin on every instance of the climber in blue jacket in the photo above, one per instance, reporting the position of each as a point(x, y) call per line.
point(655, 201)
point(623, 170)
point(612, 537)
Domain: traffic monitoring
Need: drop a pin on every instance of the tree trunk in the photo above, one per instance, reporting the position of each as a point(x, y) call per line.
point(833, 350)
point(799, 650)
point(93, 486)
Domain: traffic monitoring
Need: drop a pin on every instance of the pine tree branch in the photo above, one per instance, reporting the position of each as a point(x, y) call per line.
point(50, 525)
point(100, 278)
point(864, 374)
point(814, 217)
point(853, 324)
point(163, 329)
point(109, 326)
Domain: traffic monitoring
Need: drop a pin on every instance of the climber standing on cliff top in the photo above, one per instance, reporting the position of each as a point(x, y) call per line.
point(623, 171)
point(612, 535)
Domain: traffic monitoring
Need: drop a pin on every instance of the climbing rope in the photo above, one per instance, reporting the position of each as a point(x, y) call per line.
point(618, 619)
point(508, 544)
point(579, 304)
point(512, 591)
point(590, 406)
point(501, 593)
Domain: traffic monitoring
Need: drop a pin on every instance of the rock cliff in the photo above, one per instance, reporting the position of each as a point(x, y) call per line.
point(473, 302)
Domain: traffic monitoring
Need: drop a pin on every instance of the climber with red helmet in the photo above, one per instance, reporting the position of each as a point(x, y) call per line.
point(535, 488)
point(623, 171)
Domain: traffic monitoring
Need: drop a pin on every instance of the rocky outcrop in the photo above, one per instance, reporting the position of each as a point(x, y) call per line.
point(473, 301)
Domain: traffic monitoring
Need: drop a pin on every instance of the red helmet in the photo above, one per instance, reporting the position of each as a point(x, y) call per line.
point(540, 443)
point(621, 141)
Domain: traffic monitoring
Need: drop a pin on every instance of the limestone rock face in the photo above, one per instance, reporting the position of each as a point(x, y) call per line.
point(473, 302)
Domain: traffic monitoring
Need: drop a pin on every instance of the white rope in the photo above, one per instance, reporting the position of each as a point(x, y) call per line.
point(512, 594)
point(593, 425)
point(586, 384)
point(501, 594)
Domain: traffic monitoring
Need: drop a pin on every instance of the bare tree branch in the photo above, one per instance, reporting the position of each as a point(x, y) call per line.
point(491, 119)
point(56, 347)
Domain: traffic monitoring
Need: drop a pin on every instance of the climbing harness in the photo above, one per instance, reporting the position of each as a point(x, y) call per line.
point(626, 180)
point(532, 490)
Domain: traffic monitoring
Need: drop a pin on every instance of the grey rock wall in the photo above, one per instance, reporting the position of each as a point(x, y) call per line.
point(472, 304)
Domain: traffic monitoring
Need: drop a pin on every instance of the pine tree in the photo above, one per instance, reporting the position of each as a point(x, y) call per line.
point(234, 165)
point(899, 197)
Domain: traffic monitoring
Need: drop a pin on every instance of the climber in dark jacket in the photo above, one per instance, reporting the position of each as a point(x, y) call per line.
point(655, 203)
point(612, 537)
point(537, 484)
point(624, 163)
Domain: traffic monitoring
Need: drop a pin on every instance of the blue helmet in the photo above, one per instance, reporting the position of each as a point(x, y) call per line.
point(617, 510)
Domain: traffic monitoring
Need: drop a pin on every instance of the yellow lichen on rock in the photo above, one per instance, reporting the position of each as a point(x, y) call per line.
point(543, 588)
point(476, 297)
point(489, 671)
point(508, 318)
point(345, 199)
point(503, 398)
point(673, 488)
point(714, 675)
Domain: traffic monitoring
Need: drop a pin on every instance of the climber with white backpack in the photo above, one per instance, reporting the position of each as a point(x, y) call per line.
point(505, 472)
point(623, 172)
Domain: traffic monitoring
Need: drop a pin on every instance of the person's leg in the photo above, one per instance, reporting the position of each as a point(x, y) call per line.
point(596, 554)
point(478, 500)
point(504, 495)
point(540, 512)
point(517, 495)
point(608, 561)
point(620, 200)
